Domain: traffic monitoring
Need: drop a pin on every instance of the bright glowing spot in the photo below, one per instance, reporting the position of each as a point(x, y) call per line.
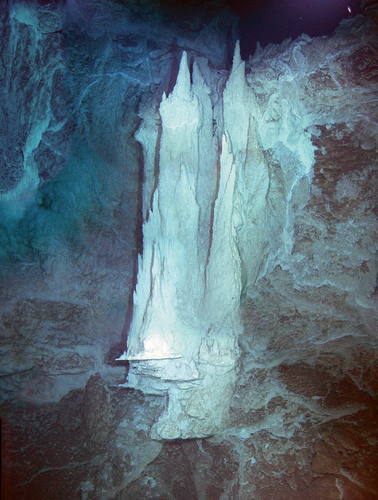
point(156, 345)
point(349, 10)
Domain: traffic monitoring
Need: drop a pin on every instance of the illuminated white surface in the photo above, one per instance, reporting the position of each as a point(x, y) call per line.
point(147, 357)
point(183, 337)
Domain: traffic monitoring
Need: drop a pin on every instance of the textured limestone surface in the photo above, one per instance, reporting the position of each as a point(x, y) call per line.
point(35, 125)
point(300, 121)
point(183, 336)
point(74, 80)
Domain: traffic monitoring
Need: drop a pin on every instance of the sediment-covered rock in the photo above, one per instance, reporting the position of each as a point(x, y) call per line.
point(273, 166)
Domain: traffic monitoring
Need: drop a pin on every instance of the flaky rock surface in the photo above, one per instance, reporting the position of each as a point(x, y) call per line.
point(300, 125)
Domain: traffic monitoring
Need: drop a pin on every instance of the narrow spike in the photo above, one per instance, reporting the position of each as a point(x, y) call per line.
point(237, 57)
point(183, 78)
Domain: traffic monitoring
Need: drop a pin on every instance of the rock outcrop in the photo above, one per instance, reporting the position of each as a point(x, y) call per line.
point(249, 194)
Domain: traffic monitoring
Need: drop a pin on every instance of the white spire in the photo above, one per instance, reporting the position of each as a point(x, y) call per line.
point(237, 57)
point(182, 86)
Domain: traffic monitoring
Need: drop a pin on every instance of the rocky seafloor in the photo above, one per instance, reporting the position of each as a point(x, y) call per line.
point(303, 415)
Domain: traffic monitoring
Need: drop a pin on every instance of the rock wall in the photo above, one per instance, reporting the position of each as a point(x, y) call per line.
point(304, 411)
point(301, 130)
point(74, 232)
